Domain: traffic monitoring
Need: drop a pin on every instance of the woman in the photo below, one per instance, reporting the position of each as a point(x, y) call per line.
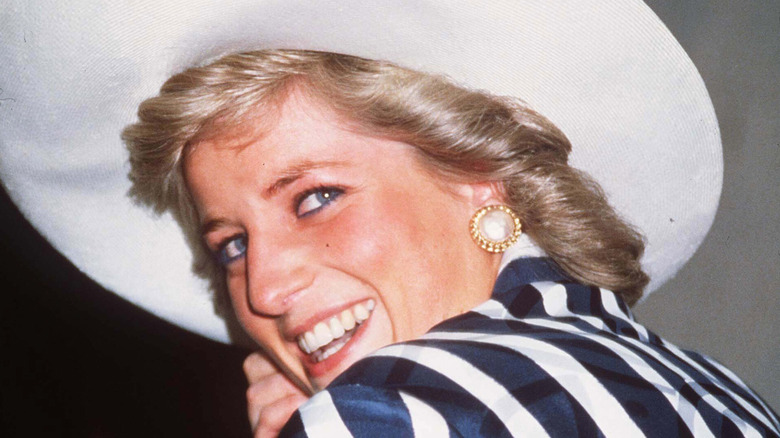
point(335, 193)
point(392, 248)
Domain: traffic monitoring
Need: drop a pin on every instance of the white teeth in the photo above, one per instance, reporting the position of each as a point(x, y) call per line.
point(302, 345)
point(311, 341)
point(361, 313)
point(336, 327)
point(322, 332)
point(329, 352)
point(347, 320)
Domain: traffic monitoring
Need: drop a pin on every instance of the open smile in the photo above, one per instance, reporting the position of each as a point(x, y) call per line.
point(331, 335)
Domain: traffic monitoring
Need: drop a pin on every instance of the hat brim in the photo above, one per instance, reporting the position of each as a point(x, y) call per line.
point(607, 72)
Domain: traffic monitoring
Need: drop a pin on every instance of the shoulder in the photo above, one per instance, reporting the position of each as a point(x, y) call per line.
point(434, 387)
point(356, 410)
point(546, 358)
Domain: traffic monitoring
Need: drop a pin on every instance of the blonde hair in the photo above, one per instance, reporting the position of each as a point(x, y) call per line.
point(459, 133)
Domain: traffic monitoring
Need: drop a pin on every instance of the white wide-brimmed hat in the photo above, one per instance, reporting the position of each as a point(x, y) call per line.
point(607, 72)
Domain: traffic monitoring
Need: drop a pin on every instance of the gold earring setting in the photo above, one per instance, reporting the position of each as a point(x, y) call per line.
point(495, 228)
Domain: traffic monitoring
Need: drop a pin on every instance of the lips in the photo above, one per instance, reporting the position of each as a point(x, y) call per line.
point(329, 336)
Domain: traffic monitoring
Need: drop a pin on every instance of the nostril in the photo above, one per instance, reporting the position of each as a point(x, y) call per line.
point(267, 301)
point(274, 296)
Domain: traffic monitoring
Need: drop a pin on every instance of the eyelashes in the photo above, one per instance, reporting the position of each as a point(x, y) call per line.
point(313, 200)
point(231, 249)
point(306, 204)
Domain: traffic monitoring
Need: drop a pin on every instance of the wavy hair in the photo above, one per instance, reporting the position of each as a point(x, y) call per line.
point(459, 133)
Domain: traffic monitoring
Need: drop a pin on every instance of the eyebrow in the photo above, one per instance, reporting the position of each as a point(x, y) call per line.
point(286, 177)
point(211, 226)
point(296, 172)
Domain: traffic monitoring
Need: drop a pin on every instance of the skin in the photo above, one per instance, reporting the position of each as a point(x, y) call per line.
point(383, 235)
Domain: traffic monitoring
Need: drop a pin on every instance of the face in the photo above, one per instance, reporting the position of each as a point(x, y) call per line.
point(334, 243)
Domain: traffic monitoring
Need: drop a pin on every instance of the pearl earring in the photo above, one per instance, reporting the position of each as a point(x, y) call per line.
point(495, 228)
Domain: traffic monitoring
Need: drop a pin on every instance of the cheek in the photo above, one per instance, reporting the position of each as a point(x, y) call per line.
point(399, 256)
point(255, 326)
point(237, 293)
point(361, 240)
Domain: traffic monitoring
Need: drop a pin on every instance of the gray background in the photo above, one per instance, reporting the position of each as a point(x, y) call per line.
point(725, 302)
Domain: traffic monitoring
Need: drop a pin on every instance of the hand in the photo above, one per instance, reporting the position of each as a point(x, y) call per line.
point(271, 397)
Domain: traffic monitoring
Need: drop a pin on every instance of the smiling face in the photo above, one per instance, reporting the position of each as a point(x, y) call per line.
point(334, 243)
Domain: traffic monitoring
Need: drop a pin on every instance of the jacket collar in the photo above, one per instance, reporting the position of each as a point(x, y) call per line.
point(526, 287)
point(526, 270)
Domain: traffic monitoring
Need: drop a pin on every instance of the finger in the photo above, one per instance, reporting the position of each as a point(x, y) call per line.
point(254, 405)
point(256, 366)
point(267, 391)
point(273, 417)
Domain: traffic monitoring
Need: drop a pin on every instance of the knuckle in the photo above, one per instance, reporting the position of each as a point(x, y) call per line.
point(273, 416)
point(253, 393)
point(250, 363)
point(269, 419)
point(257, 367)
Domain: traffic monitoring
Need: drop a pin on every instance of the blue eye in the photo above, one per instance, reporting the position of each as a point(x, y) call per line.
point(313, 200)
point(232, 249)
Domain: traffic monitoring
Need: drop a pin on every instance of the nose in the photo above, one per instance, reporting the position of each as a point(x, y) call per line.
point(277, 270)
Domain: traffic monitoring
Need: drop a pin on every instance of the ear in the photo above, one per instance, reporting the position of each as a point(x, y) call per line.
point(481, 194)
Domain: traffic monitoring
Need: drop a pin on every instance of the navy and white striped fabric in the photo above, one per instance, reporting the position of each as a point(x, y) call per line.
point(544, 357)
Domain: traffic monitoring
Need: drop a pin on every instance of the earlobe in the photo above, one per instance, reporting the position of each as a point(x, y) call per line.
point(485, 193)
point(495, 228)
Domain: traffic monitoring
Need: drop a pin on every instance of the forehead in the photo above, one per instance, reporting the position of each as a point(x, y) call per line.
point(301, 134)
point(299, 125)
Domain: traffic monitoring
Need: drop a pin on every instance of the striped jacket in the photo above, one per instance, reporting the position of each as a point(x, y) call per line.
point(544, 357)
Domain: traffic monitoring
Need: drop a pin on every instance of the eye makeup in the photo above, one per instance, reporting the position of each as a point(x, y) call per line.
point(231, 249)
point(307, 203)
point(313, 200)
